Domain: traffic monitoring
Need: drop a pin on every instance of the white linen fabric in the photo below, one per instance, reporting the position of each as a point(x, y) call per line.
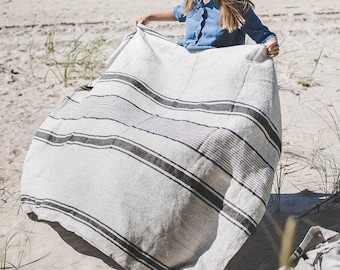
point(167, 160)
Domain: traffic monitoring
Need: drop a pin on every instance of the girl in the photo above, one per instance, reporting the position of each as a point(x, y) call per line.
point(217, 23)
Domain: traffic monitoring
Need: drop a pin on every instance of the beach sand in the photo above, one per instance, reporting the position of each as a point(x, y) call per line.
point(308, 71)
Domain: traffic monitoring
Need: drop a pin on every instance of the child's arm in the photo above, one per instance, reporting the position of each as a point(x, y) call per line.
point(164, 15)
point(260, 33)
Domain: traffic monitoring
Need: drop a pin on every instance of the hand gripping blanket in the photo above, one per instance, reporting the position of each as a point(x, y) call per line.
point(168, 161)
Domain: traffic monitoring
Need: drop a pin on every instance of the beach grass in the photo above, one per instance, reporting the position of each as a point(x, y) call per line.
point(70, 59)
point(15, 244)
point(309, 80)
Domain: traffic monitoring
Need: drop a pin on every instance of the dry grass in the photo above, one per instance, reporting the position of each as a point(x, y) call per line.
point(69, 59)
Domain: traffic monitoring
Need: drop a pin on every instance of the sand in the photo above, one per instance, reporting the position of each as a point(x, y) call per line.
point(308, 71)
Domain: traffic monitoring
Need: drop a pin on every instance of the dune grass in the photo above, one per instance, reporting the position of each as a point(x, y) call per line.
point(284, 168)
point(318, 161)
point(15, 244)
point(74, 58)
point(323, 160)
point(332, 118)
point(69, 59)
point(303, 77)
point(14, 250)
point(310, 80)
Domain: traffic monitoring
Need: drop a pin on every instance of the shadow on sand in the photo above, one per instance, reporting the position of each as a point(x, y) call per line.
point(261, 251)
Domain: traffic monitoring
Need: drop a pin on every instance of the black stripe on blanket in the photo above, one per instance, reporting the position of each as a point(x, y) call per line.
point(99, 227)
point(220, 107)
point(196, 136)
point(163, 165)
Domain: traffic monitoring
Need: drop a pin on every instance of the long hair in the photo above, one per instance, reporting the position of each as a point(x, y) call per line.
point(231, 12)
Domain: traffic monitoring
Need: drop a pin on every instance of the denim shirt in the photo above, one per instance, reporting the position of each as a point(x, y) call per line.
point(203, 29)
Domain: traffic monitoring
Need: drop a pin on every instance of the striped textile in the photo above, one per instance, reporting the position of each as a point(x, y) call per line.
point(167, 160)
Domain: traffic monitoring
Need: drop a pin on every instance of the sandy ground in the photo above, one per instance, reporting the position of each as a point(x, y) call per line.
point(308, 71)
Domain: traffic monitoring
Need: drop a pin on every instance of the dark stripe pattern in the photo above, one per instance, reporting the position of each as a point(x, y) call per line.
point(102, 229)
point(200, 138)
point(218, 107)
point(163, 165)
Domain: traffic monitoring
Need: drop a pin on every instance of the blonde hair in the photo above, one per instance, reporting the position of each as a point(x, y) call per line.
point(231, 12)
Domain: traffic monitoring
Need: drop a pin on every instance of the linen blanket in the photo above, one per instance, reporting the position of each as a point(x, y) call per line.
point(167, 160)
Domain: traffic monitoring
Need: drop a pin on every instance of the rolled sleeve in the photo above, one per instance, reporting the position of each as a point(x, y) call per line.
point(179, 12)
point(269, 37)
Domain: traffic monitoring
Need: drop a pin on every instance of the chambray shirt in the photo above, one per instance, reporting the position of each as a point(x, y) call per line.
point(203, 29)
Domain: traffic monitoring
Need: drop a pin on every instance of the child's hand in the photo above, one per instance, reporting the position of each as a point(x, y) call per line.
point(273, 48)
point(142, 20)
